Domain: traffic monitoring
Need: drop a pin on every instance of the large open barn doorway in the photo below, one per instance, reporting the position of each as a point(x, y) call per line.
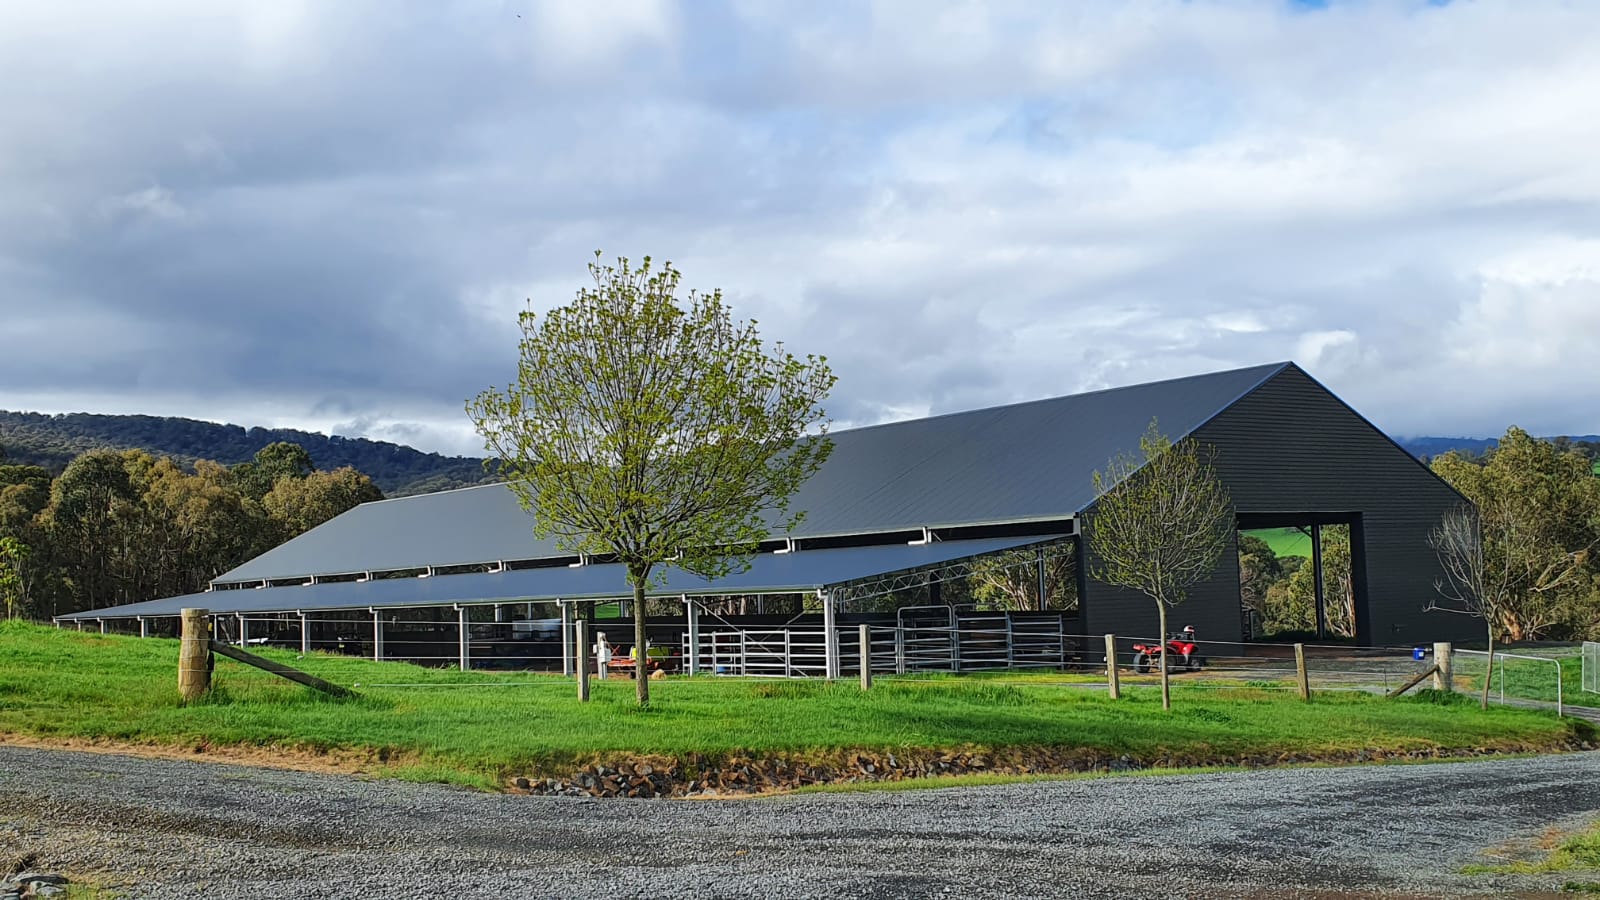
point(1301, 577)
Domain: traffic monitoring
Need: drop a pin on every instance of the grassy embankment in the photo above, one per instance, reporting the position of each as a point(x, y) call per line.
point(480, 728)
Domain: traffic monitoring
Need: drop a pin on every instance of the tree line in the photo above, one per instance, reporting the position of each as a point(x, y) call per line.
point(52, 441)
point(122, 526)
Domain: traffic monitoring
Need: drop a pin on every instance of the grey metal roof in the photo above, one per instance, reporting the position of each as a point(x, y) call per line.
point(1027, 461)
point(769, 573)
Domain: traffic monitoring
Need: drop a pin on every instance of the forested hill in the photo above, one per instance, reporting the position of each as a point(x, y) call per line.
point(53, 441)
point(1426, 448)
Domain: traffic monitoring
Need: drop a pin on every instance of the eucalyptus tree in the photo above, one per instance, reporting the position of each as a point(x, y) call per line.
point(13, 554)
point(653, 431)
point(1162, 521)
point(1537, 532)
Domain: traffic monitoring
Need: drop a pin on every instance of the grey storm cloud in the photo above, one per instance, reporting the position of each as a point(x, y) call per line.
point(328, 215)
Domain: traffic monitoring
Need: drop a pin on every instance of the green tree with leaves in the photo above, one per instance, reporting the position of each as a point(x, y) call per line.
point(650, 431)
point(271, 464)
point(1291, 600)
point(92, 522)
point(1010, 580)
point(297, 505)
point(13, 555)
point(1160, 525)
point(1539, 527)
point(1259, 570)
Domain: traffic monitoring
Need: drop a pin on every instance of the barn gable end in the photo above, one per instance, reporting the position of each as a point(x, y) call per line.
point(1289, 452)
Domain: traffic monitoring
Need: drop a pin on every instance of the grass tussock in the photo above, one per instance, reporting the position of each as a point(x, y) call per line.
point(1575, 852)
point(477, 728)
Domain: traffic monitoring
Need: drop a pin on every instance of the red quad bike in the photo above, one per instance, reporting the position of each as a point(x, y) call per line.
point(1185, 653)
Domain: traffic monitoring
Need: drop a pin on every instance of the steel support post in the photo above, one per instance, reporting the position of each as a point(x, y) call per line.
point(830, 638)
point(866, 657)
point(1316, 572)
point(144, 627)
point(305, 634)
point(244, 629)
point(1044, 601)
point(692, 610)
point(1011, 643)
point(955, 641)
point(570, 637)
point(103, 626)
point(377, 636)
point(461, 626)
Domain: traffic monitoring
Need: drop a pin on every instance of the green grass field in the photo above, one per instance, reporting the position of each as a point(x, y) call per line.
point(479, 728)
point(1285, 541)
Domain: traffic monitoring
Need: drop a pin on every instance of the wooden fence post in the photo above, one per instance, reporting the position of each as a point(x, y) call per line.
point(194, 655)
point(1300, 671)
point(1112, 682)
point(866, 657)
point(580, 636)
point(1444, 674)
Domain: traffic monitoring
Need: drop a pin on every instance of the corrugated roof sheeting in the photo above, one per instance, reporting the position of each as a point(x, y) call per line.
point(769, 573)
point(1005, 464)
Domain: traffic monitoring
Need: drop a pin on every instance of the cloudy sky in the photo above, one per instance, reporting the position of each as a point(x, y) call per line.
point(327, 214)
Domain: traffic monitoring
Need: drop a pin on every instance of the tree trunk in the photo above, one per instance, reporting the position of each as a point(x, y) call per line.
point(1166, 686)
point(641, 662)
point(1488, 673)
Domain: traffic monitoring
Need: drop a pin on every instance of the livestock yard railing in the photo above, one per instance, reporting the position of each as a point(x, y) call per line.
point(769, 652)
point(968, 642)
point(921, 640)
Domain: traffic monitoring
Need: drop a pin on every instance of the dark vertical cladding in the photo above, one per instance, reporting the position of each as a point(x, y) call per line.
point(1212, 606)
point(1291, 447)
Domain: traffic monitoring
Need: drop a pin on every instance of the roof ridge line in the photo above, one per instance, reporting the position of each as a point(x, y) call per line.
point(1274, 366)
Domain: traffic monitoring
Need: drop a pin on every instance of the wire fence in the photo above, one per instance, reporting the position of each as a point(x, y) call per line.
point(922, 640)
point(1515, 676)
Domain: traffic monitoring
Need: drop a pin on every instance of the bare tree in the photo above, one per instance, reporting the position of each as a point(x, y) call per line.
point(1162, 522)
point(1497, 567)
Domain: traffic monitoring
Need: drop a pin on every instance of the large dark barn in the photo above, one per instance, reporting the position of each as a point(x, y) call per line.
point(897, 509)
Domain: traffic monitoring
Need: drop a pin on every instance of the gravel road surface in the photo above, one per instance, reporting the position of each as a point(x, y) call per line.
point(170, 829)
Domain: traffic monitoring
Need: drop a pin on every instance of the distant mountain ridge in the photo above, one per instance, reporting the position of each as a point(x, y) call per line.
point(53, 441)
point(1426, 448)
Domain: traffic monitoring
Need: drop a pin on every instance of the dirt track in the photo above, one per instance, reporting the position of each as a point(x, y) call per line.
point(179, 829)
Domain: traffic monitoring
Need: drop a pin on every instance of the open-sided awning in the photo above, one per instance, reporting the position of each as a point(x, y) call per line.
point(769, 573)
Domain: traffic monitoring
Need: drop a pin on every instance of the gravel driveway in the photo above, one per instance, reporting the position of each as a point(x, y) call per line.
point(180, 829)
